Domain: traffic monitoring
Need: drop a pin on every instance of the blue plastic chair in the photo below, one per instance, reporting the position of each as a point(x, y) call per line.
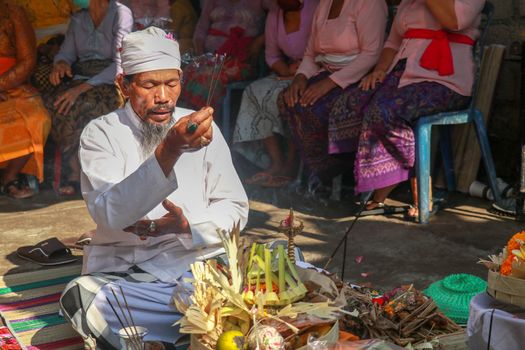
point(226, 106)
point(424, 125)
point(227, 101)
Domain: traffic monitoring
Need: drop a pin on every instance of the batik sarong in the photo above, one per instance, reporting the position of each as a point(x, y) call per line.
point(98, 101)
point(386, 152)
point(309, 128)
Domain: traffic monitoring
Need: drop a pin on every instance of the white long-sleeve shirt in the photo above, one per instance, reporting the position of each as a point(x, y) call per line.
point(121, 188)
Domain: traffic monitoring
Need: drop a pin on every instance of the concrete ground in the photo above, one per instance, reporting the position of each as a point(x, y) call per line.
point(394, 251)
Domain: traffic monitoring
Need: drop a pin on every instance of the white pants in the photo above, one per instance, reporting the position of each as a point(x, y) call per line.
point(150, 304)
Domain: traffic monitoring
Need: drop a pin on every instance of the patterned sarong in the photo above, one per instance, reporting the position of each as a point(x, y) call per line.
point(98, 101)
point(310, 129)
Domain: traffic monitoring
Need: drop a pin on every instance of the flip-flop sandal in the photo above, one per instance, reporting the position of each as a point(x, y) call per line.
point(258, 178)
point(7, 189)
point(48, 253)
point(70, 188)
point(277, 181)
point(80, 242)
point(383, 209)
point(506, 207)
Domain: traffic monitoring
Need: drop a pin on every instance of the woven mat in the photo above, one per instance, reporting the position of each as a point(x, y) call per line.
point(29, 306)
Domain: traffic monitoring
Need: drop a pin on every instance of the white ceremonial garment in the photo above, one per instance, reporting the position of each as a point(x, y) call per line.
point(495, 325)
point(121, 188)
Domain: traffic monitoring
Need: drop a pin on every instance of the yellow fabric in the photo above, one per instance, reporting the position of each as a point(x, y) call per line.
point(24, 126)
point(46, 13)
point(184, 19)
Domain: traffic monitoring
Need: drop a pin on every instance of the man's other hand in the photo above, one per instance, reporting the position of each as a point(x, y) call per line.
point(173, 222)
point(60, 70)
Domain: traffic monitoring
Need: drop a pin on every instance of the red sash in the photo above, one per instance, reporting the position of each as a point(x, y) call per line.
point(6, 63)
point(438, 55)
point(236, 44)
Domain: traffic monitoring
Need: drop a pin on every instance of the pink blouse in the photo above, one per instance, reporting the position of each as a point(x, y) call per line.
point(415, 14)
point(358, 31)
point(281, 45)
point(225, 14)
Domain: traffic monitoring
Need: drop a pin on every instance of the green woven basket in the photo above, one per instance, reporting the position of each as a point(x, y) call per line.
point(452, 295)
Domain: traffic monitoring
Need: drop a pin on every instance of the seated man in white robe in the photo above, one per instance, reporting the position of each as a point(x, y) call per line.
point(158, 181)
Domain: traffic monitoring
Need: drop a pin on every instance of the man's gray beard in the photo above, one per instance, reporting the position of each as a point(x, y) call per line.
point(152, 136)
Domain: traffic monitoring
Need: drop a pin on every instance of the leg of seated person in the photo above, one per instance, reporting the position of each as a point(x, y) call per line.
point(85, 304)
point(150, 305)
point(72, 184)
point(66, 130)
point(413, 211)
point(386, 152)
point(272, 147)
point(309, 128)
point(11, 171)
point(290, 166)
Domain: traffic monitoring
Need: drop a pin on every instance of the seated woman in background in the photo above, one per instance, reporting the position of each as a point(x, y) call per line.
point(231, 27)
point(183, 21)
point(149, 12)
point(258, 122)
point(84, 71)
point(345, 43)
point(24, 122)
point(414, 77)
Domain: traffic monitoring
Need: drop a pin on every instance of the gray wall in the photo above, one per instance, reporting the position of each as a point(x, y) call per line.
point(508, 29)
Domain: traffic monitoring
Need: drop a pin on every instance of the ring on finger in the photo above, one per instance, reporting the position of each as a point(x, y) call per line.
point(191, 127)
point(152, 227)
point(204, 141)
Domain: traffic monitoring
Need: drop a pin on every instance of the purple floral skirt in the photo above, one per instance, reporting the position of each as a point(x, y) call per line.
point(386, 150)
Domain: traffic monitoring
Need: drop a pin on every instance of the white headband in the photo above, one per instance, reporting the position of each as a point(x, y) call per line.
point(148, 50)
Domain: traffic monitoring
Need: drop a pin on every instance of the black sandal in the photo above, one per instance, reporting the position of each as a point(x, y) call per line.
point(7, 189)
point(48, 253)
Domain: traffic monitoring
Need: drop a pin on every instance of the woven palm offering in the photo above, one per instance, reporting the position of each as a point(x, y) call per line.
point(257, 299)
point(506, 277)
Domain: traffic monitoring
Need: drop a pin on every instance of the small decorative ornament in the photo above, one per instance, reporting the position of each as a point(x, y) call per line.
point(291, 228)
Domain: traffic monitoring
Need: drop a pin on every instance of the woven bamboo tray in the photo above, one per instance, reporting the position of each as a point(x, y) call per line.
point(506, 289)
point(453, 341)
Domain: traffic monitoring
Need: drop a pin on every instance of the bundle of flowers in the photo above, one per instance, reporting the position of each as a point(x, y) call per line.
point(511, 260)
point(239, 304)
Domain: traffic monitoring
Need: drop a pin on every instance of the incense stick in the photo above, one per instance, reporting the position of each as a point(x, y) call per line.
point(122, 324)
point(215, 76)
point(135, 338)
point(129, 311)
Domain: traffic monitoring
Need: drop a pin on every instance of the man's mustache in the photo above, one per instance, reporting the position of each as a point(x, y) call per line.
point(161, 109)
